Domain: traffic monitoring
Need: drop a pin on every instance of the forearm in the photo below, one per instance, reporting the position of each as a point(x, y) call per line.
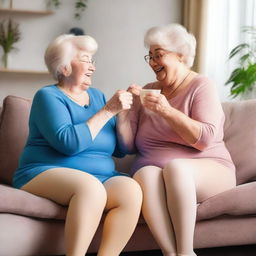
point(187, 128)
point(125, 132)
point(96, 122)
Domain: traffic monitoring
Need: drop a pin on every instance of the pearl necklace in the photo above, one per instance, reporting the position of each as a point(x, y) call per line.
point(172, 92)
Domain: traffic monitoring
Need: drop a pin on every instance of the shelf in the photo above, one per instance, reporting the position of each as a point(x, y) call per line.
point(23, 11)
point(20, 71)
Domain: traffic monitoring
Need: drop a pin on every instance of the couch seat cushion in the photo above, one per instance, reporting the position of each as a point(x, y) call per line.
point(20, 202)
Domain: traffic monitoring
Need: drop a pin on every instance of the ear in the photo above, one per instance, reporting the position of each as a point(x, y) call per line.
point(66, 70)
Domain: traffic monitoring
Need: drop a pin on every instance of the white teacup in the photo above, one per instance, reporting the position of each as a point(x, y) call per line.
point(144, 92)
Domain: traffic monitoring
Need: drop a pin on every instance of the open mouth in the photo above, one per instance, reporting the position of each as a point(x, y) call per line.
point(159, 69)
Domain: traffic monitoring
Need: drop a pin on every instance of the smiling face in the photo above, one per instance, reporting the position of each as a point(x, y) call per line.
point(82, 70)
point(164, 63)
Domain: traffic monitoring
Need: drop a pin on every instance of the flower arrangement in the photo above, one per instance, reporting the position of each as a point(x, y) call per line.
point(9, 35)
point(243, 78)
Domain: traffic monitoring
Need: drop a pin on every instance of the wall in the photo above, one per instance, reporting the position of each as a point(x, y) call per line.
point(117, 25)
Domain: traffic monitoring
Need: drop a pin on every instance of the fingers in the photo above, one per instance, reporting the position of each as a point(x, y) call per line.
point(125, 99)
point(149, 97)
point(134, 89)
point(156, 103)
point(120, 101)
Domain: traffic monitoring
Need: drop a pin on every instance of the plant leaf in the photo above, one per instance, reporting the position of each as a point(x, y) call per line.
point(237, 49)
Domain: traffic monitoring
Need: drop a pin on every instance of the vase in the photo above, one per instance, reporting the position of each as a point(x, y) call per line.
point(5, 59)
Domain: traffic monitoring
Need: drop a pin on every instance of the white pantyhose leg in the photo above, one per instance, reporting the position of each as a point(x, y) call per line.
point(124, 199)
point(86, 199)
point(187, 182)
point(154, 208)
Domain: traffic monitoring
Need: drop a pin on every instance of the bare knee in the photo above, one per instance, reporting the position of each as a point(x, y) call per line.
point(87, 187)
point(123, 192)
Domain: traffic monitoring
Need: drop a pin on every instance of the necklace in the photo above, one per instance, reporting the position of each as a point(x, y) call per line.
point(172, 92)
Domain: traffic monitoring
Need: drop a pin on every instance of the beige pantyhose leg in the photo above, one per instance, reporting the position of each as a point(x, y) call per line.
point(124, 198)
point(155, 209)
point(84, 194)
point(187, 182)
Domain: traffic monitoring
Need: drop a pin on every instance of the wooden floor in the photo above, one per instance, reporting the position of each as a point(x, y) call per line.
point(249, 250)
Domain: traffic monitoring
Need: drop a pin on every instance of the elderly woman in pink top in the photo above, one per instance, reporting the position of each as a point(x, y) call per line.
point(178, 135)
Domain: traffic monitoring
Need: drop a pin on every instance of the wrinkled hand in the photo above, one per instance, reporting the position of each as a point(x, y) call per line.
point(156, 103)
point(134, 89)
point(121, 100)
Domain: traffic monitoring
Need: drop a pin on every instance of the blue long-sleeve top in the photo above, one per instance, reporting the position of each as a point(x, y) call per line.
point(60, 137)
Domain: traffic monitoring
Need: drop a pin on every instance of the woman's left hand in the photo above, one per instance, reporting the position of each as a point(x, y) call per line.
point(156, 103)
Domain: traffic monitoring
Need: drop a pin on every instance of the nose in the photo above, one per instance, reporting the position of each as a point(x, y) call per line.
point(92, 67)
point(153, 63)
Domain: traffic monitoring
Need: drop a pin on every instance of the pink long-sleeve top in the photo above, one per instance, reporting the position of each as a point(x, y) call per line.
point(157, 143)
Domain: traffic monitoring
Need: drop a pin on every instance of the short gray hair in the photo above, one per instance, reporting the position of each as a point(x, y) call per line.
point(62, 50)
point(175, 38)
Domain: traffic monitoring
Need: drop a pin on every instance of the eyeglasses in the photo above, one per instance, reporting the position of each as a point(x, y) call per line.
point(89, 61)
point(156, 57)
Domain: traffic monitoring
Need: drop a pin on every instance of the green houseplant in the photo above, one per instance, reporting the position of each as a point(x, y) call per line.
point(9, 34)
point(80, 6)
point(243, 77)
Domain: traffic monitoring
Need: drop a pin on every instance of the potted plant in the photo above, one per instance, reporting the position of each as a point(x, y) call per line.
point(9, 35)
point(80, 6)
point(243, 77)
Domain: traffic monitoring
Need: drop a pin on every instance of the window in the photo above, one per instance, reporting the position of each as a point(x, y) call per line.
point(225, 20)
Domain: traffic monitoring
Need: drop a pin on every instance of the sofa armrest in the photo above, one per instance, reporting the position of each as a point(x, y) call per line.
point(20, 202)
point(236, 201)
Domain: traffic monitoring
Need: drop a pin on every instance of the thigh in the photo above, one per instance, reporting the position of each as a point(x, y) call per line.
point(210, 177)
point(122, 191)
point(150, 179)
point(60, 184)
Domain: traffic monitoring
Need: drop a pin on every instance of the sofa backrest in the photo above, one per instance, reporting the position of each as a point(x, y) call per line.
point(239, 136)
point(13, 134)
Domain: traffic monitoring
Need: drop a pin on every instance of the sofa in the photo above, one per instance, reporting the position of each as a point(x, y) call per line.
point(33, 226)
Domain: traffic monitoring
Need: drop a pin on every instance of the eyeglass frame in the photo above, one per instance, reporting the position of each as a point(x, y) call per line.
point(91, 61)
point(148, 58)
point(88, 61)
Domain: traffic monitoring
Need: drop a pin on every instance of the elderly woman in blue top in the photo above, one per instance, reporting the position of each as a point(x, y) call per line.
point(68, 154)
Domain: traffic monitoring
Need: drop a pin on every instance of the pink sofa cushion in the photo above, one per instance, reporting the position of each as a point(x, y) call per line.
point(13, 134)
point(240, 137)
point(20, 202)
point(237, 201)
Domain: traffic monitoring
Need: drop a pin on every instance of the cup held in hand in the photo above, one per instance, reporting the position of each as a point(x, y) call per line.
point(143, 93)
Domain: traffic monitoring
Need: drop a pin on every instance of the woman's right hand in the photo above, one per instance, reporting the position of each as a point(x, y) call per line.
point(121, 100)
